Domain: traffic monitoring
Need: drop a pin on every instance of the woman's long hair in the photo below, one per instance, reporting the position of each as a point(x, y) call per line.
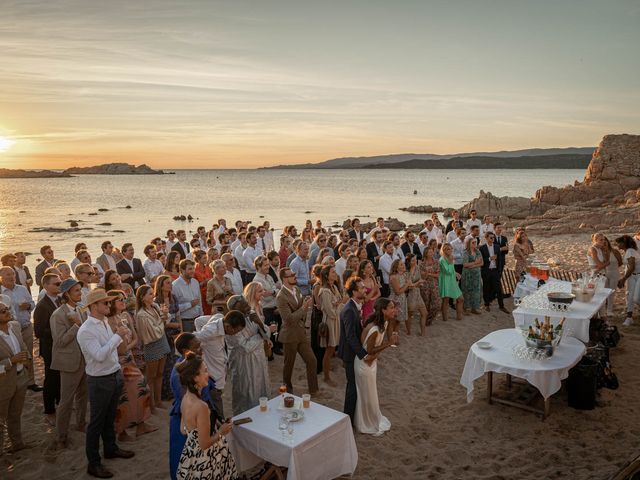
point(377, 317)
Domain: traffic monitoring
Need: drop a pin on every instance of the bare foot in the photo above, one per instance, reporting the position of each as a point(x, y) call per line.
point(143, 428)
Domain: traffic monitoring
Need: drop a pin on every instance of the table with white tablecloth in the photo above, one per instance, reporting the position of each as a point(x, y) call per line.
point(545, 375)
point(322, 445)
point(577, 316)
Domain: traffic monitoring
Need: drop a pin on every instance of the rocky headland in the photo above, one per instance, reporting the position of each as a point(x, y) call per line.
point(114, 169)
point(608, 199)
point(19, 173)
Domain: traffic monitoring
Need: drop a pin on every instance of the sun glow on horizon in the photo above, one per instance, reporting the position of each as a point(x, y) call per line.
point(5, 144)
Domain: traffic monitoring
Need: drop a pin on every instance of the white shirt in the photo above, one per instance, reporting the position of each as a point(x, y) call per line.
point(261, 245)
point(152, 268)
point(238, 253)
point(268, 240)
point(451, 236)
point(341, 266)
point(398, 253)
point(170, 244)
point(471, 223)
point(236, 280)
point(422, 247)
point(484, 228)
point(111, 262)
point(458, 248)
point(21, 273)
point(492, 251)
point(99, 345)
point(210, 332)
point(14, 345)
point(74, 263)
point(431, 235)
point(19, 294)
point(185, 293)
point(385, 263)
point(249, 255)
point(235, 244)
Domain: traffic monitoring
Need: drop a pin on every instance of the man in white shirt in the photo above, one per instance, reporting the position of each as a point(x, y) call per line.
point(472, 221)
point(23, 276)
point(485, 227)
point(171, 240)
point(268, 236)
point(232, 273)
point(430, 230)
point(14, 379)
point(187, 292)
point(202, 238)
point(78, 248)
point(423, 242)
point(386, 260)
point(152, 266)
point(261, 241)
point(341, 263)
point(249, 255)
point(211, 331)
point(397, 250)
point(474, 233)
point(99, 346)
point(378, 228)
point(238, 254)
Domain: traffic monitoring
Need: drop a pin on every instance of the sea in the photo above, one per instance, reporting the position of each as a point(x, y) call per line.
point(284, 197)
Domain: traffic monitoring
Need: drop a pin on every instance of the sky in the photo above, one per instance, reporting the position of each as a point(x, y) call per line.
point(245, 84)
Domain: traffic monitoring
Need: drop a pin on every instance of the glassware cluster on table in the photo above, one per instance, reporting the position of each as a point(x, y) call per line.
point(285, 423)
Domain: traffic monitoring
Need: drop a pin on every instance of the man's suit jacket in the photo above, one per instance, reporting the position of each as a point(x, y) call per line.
point(40, 269)
point(178, 248)
point(293, 316)
point(484, 250)
point(372, 252)
point(66, 356)
point(350, 344)
point(137, 274)
point(10, 380)
point(42, 327)
point(357, 235)
point(103, 262)
point(503, 242)
point(414, 248)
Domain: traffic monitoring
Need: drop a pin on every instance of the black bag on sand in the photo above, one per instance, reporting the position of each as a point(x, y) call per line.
point(606, 378)
point(582, 384)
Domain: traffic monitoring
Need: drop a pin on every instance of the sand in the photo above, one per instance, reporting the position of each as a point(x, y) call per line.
point(435, 434)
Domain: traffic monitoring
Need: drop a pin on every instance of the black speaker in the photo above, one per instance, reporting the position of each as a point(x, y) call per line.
point(582, 384)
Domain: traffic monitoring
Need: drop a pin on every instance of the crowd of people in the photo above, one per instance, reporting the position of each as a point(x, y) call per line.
point(124, 336)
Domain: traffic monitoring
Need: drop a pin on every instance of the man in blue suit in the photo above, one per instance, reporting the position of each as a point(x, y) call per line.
point(350, 345)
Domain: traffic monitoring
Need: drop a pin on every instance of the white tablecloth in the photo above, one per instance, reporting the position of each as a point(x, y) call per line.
point(530, 285)
point(546, 375)
point(323, 443)
point(577, 315)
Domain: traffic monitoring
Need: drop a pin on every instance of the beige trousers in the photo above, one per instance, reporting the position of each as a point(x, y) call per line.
point(27, 337)
point(72, 385)
point(11, 413)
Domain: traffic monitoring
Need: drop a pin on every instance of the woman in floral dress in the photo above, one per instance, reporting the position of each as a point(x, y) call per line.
point(429, 272)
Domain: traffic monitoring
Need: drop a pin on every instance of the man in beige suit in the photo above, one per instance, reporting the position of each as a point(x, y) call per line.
point(14, 379)
point(293, 309)
point(68, 360)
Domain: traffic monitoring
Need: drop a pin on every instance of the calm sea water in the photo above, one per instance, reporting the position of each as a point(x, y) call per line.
point(281, 196)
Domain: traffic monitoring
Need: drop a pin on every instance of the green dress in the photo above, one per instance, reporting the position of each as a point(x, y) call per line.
point(471, 281)
point(447, 282)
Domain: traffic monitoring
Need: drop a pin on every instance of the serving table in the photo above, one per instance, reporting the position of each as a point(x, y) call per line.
point(322, 445)
point(577, 315)
point(545, 375)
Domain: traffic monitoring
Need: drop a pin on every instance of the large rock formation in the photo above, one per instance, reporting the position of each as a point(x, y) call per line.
point(607, 199)
point(114, 169)
point(9, 173)
point(510, 207)
point(613, 171)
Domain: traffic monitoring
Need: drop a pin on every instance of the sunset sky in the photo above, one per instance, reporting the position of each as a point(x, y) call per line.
point(242, 84)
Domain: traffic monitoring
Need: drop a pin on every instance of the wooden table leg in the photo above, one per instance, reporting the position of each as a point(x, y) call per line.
point(490, 387)
point(509, 381)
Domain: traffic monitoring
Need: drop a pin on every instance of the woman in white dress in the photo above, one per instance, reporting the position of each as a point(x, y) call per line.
point(368, 418)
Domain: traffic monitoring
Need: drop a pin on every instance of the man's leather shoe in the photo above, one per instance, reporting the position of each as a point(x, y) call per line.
point(35, 388)
point(502, 309)
point(119, 453)
point(99, 471)
point(278, 352)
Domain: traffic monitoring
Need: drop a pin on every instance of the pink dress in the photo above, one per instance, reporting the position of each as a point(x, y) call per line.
point(367, 307)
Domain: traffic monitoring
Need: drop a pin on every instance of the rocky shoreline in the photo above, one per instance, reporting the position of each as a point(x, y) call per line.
point(19, 173)
point(114, 169)
point(607, 200)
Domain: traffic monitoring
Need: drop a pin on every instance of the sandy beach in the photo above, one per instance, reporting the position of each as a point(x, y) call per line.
point(435, 434)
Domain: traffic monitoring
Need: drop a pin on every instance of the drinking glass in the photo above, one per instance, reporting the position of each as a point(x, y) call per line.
point(263, 403)
point(290, 431)
point(283, 425)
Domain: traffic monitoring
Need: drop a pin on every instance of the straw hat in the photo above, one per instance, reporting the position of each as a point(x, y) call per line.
point(98, 295)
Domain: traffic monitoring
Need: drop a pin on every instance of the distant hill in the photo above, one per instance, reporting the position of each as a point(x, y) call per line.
point(524, 162)
point(9, 173)
point(114, 169)
point(359, 162)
